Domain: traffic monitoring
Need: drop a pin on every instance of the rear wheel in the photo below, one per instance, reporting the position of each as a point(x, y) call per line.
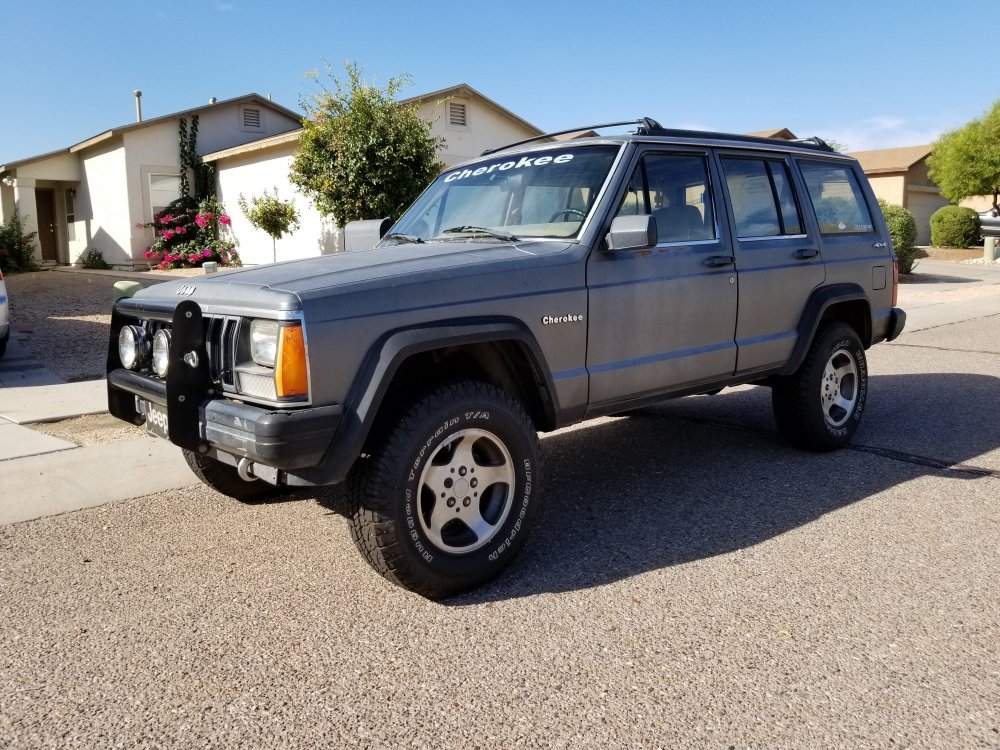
point(444, 496)
point(225, 479)
point(820, 406)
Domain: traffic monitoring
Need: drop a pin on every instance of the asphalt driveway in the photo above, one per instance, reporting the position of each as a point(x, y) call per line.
point(694, 583)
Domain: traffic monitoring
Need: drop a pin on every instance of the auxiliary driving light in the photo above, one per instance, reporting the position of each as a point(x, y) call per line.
point(161, 352)
point(133, 346)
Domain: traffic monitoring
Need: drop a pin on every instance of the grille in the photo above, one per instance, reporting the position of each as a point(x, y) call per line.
point(221, 337)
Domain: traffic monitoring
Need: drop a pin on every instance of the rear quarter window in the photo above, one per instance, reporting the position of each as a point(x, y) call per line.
point(836, 198)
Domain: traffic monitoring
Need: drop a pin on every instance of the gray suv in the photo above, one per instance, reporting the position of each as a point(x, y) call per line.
point(537, 286)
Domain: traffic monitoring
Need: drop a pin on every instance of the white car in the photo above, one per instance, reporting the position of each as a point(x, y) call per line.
point(4, 316)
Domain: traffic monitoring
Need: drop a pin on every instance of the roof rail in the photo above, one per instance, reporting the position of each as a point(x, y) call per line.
point(646, 125)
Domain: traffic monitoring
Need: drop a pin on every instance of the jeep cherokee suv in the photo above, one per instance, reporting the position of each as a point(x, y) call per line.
point(537, 286)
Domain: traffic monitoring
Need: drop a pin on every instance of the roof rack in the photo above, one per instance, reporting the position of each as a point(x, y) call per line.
point(649, 126)
point(646, 124)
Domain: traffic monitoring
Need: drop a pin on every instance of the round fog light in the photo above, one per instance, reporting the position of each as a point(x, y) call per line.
point(133, 346)
point(161, 352)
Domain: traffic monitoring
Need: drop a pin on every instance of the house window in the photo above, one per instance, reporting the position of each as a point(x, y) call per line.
point(457, 114)
point(251, 119)
point(163, 189)
point(70, 208)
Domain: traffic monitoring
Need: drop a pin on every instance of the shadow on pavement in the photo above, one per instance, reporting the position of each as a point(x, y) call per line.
point(662, 488)
point(933, 278)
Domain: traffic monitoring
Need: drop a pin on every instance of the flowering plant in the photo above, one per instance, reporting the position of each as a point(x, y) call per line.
point(187, 234)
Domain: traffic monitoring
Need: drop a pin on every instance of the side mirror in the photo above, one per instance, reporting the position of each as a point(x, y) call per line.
point(632, 232)
point(364, 235)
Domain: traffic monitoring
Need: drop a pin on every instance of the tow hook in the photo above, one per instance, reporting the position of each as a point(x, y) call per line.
point(245, 469)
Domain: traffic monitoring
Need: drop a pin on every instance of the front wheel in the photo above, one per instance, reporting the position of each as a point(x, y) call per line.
point(820, 406)
point(444, 496)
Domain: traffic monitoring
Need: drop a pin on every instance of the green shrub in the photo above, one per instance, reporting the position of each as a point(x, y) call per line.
point(954, 226)
point(17, 249)
point(93, 258)
point(903, 230)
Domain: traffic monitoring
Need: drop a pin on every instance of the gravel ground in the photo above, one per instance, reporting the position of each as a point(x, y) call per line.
point(694, 583)
point(65, 317)
point(94, 429)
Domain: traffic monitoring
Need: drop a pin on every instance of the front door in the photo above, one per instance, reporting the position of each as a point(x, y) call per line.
point(45, 201)
point(663, 318)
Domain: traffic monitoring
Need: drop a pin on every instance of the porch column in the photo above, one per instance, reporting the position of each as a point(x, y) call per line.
point(6, 199)
point(27, 209)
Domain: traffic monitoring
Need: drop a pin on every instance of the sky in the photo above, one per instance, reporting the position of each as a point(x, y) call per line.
point(868, 74)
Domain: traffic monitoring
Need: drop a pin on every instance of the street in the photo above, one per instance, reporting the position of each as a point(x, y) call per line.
point(694, 582)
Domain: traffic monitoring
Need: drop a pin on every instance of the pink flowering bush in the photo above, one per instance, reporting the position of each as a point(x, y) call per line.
point(189, 234)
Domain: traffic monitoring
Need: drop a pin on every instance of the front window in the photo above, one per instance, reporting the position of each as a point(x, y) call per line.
point(543, 194)
point(163, 189)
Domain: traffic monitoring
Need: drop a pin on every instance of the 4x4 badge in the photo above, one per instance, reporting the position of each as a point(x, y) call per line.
point(187, 290)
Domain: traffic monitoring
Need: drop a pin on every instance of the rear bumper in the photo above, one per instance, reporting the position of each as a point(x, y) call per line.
point(888, 324)
point(896, 323)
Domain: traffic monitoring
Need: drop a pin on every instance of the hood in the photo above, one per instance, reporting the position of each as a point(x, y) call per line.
point(281, 286)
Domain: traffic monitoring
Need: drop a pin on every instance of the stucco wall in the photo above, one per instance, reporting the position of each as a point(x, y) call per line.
point(220, 127)
point(148, 151)
point(102, 201)
point(251, 174)
point(59, 167)
point(485, 128)
point(889, 188)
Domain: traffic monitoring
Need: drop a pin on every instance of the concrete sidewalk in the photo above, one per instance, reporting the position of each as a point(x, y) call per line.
point(41, 475)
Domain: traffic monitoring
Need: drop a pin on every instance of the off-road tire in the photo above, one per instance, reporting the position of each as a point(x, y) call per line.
point(393, 488)
point(820, 406)
point(223, 478)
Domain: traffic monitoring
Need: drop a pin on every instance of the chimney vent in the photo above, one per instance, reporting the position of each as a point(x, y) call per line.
point(213, 100)
point(138, 105)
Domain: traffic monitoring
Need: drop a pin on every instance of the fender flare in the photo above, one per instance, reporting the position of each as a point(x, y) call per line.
point(819, 302)
point(388, 354)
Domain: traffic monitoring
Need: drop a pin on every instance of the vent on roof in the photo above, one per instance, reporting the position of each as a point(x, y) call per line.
point(251, 118)
point(456, 114)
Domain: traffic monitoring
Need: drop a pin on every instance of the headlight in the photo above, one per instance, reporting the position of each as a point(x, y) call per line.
point(264, 342)
point(133, 346)
point(161, 352)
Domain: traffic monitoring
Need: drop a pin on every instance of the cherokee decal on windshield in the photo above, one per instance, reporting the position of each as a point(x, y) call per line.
point(503, 166)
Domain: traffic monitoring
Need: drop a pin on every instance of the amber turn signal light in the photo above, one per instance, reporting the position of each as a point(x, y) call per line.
point(290, 374)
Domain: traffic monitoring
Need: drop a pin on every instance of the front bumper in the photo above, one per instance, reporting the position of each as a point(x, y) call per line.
point(288, 440)
point(202, 420)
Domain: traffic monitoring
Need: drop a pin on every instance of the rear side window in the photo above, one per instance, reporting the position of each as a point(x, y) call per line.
point(837, 199)
point(675, 189)
point(763, 198)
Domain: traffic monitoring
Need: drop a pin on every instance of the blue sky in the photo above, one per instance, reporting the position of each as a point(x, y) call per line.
point(869, 74)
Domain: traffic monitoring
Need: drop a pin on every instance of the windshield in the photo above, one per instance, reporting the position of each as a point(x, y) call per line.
point(540, 194)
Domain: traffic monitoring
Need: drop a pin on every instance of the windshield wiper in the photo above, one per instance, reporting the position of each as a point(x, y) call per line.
point(481, 230)
point(403, 237)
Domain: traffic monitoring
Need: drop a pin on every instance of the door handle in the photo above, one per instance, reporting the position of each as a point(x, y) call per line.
point(806, 253)
point(718, 261)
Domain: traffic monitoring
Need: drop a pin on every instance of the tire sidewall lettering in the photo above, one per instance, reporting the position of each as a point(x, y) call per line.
point(524, 489)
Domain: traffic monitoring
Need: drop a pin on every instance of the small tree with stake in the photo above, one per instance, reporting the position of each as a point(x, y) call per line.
point(271, 215)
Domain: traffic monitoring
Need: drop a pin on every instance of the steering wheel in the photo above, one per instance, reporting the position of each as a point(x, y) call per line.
point(562, 211)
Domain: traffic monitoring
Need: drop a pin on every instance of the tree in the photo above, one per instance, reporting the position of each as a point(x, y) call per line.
point(966, 161)
point(272, 215)
point(363, 155)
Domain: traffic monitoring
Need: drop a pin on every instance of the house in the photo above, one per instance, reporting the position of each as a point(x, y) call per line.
point(469, 122)
point(899, 175)
point(97, 193)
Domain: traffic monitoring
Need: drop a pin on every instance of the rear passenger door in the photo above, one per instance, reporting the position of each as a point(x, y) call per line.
point(778, 260)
